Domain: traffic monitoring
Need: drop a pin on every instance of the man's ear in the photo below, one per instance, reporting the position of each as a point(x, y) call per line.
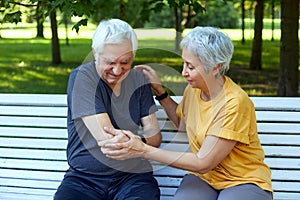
point(94, 53)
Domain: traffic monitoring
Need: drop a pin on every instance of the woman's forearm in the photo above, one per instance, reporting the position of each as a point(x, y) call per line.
point(182, 160)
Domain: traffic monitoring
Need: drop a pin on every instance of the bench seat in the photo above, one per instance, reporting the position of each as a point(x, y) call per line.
point(33, 139)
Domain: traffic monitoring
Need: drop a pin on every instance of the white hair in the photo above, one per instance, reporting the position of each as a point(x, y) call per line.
point(211, 46)
point(113, 31)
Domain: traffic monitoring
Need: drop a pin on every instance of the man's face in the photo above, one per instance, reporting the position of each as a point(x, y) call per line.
point(114, 63)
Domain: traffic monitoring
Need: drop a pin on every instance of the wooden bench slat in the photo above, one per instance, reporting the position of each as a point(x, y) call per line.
point(283, 163)
point(270, 139)
point(39, 184)
point(168, 181)
point(33, 154)
point(167, 171)
point(31, 174)
point(279, 128)
point(24, 196)
point(286, 186)
point(43, 165)
point(278, 103)
point(282, 151)
point(286, 175)
point(261, 116)
point(33, 111)
point(35, 132)
point(287, 195)
point(168, 191)
point(34, 99)
point(33, 143)
point(266, 139)
point(33, 121)
point(274, 116)
point(13, 193)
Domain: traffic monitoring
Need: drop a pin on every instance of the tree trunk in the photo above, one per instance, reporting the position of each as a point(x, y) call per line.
point(255, 62)
point(178, 29)
point(39, 21)
point(56, 59)
point(243, 21)
point(289, 49)
point(122, 11)
point(66, 21)
point(273, 18)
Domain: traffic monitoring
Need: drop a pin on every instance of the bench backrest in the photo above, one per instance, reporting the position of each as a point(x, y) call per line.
point(33, 140)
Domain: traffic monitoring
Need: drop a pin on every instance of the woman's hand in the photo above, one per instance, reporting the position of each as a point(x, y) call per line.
point(132, 148)
point(152, 77)
point(117, 136)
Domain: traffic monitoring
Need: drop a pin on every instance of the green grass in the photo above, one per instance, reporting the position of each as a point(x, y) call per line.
point(25, 63)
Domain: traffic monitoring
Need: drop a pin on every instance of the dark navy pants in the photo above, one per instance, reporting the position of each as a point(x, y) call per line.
point(134, 186)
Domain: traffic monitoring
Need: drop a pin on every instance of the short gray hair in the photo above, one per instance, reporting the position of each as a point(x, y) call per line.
point(113, 31)
point(211, 46)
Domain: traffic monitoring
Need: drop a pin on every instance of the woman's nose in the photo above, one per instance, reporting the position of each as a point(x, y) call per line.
point(184, 72)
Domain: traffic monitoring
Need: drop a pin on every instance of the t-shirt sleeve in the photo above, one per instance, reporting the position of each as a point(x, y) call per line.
point(233, 121)
point(147, 102)
point(82, 95)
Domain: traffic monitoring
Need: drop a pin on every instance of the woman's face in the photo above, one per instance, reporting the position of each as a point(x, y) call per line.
point(193, 70)
point(114, 63)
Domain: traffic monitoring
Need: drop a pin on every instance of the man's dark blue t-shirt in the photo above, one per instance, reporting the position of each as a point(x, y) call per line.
point(88, 94)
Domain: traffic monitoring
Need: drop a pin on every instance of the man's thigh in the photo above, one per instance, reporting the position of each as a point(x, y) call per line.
point(75, 188)
point(142, 186)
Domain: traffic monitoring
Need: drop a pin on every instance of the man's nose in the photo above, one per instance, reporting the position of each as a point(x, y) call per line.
point(117, 69)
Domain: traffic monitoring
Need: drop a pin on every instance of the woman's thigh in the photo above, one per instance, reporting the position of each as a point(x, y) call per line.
point(245, 192)
point(193, 187)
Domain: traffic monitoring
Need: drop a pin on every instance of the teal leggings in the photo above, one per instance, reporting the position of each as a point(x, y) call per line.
point(194, 188)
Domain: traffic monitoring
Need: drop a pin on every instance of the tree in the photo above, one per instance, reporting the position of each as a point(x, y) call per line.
point(289, 49)
point(255, 61)
point(82, 9)
point(56, 58)
point(39, 20)
point(184, 11)
point(243, 20)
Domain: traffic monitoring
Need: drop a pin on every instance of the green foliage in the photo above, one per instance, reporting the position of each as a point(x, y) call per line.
point(13, 17)
point(223, 15)
point(82, 22)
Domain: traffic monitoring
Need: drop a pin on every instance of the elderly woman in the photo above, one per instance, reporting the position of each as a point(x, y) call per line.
point(226, 160)
point(107, 92)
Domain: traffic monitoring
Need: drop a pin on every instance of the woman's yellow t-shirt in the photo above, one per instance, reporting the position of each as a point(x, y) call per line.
point(231, 115)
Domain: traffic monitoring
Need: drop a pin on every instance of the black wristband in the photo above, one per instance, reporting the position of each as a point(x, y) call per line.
point(161, 97)
point(143, 139)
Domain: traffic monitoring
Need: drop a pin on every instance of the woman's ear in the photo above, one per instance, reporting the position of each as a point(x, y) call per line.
point(216, 70)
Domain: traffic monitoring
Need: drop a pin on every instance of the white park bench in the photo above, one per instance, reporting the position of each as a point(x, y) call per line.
point(33, 139)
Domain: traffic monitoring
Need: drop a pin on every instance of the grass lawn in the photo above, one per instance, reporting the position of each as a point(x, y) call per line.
point(25, 62)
